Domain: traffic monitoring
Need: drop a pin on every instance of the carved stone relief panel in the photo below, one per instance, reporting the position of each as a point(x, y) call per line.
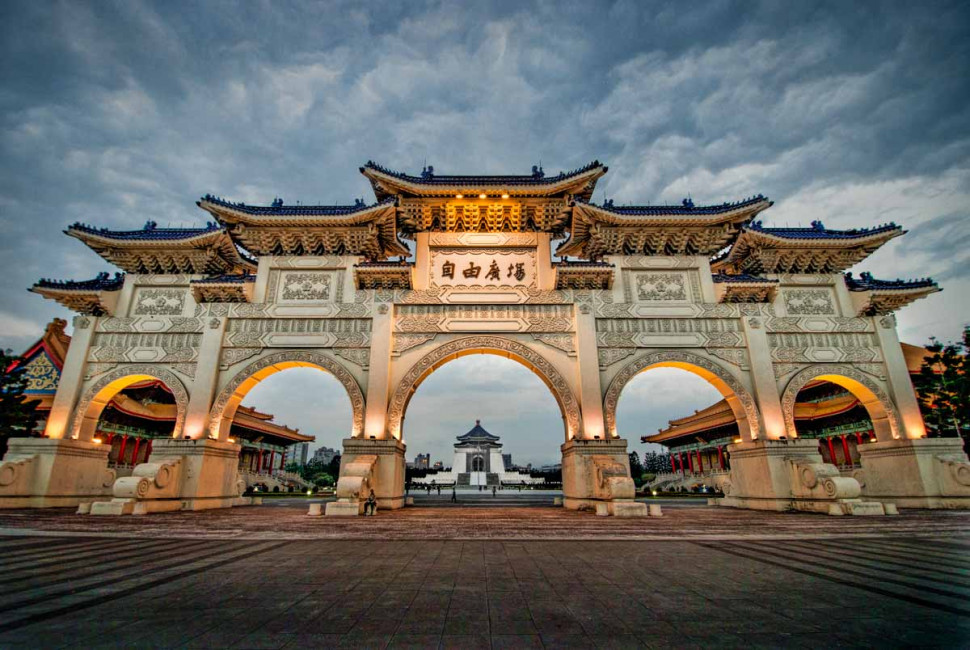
point(286, 332)
point(809, 302)
point(564, 342)
point(145, 347)
point(483, 239)
point(158, 302)
point(484, 318)
point(305, 286)
point(681, 332)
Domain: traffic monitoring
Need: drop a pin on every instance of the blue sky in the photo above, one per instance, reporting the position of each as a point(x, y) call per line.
point(114, 113)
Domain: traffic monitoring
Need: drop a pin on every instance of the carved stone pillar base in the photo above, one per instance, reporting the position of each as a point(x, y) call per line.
point(916, 473)
point(596, 477)
point(367, 465)
point(790, 475)
point(53, 473)
point(180, 475)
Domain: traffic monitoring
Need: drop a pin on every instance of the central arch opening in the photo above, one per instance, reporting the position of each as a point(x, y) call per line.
point(486, 428)
point(684, 410)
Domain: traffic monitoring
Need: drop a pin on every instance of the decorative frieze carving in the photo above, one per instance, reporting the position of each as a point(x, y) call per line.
point(818, 324)
point(641, 363)
point(358, 356)
point(148, 324)
point(457, 318)
point(552, 377)
point(564, 342)
point(785, 369)
point(232, 356)
point(521, 239)
point(159, 302)
point(808, 302)
point(265, 332)
point(609, 356)
point(92, 370)
point(404, 342)
point(187, 369)
point(304, 357)
point(646, 332)
point(146, 347)
point(734, 356)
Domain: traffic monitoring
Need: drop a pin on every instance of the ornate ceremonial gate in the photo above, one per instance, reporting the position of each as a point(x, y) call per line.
point(758, 322)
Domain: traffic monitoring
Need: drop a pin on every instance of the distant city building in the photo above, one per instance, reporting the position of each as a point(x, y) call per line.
point(555, 467)
point(422, 461)
point(438, 465)
point(325, 455)
point(507, 461)
point(298, 453)
point(478, 461)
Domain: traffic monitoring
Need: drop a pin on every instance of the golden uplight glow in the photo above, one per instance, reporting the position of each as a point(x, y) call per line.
point(459, 196)
point(482, 196)
point(505, 196)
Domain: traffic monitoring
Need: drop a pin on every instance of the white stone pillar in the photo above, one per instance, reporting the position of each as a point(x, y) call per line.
point(72, 377)
point(900, 383)
point(379, 374)
point(590, 391)
point(763, 380)
point(204, 385)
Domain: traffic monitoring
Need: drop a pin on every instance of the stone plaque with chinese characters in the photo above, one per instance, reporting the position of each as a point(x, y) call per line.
point(483, 268)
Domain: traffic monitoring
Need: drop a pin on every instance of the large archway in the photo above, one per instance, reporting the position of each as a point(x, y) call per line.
point(885, 422)
point(569, 405)
point(737, 396)
point(97, 397)
point(231, 396)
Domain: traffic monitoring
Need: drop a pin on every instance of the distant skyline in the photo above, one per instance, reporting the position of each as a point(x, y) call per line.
point(119, 112)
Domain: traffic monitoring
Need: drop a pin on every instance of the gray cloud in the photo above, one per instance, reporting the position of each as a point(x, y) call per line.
point(119, 112)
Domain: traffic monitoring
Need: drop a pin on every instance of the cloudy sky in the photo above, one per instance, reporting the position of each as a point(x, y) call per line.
point(114, 113)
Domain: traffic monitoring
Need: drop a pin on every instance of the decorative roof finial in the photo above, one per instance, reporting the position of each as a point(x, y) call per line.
point(477, 422)
point(277, 202)
point(150, 225)
point(688, 203)
point(817, 225)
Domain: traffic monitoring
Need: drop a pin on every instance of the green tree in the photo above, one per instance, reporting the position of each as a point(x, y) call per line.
point(636, 467)
point(18, 419)
point(943, 387)
point(323, 479)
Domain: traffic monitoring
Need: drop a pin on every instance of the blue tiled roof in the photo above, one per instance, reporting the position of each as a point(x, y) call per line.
point(687, 207)
point(279, 209)
point(477, 433)
point(150, 232)
point(226, 278)
point(428, 177)
point(819, 231)
point(865, 282)
point(102, 282)
point(739, 278)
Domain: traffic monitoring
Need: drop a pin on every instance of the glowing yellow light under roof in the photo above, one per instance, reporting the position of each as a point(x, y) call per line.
point(505, 196)
point(459, 196)
point(482, 196)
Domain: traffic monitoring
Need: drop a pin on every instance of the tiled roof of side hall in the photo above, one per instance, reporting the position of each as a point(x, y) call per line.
point(687, 207)
point(227, 278)
point(428, 177)
point(150, 232)
point(818, 231)
point(102, 282)
point(279, 209)
point(739, 278)
point(865, 282)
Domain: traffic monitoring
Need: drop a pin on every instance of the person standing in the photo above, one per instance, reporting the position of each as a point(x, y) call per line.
point(493, 490)
point(454, 495)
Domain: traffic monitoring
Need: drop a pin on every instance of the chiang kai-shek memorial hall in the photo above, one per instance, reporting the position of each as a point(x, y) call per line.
point(438, 267)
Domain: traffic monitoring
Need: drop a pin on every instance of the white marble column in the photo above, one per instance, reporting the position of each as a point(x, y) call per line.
point(72, 377)
point(590, 391)
point(205, 381)
point(379, 373)
point(763, 379)
point(900, 382)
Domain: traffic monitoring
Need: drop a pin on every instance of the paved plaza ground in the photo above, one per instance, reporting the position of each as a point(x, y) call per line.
point(484, 577)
